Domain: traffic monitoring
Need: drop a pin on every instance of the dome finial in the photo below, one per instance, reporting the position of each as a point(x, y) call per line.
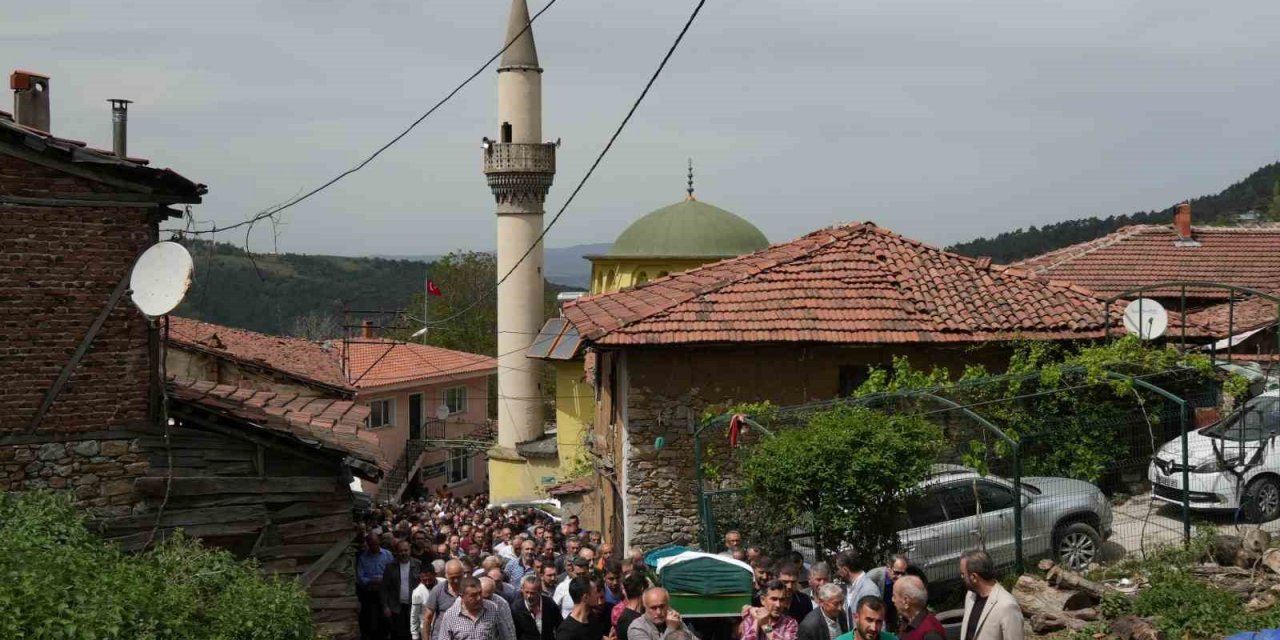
point(690, 189)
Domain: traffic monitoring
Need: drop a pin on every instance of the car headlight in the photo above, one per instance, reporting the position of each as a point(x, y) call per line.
point(1215, 466)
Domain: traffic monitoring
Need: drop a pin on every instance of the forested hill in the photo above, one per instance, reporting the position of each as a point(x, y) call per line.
point(303, 295)
point(1259, 192)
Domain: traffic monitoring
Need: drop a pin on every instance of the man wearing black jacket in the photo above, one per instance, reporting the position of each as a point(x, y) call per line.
point(536, 616)
point(827, 620)
point(399, 580)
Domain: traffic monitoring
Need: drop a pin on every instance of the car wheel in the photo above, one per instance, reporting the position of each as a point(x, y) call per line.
point(1078, 544)
point(1262, 500)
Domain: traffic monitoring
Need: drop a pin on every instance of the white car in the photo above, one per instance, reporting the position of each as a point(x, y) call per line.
point(1233, 464)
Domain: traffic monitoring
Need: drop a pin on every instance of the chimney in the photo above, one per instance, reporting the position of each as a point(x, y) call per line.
point(366, 329)
point(30, 99)
point(1182, 221)
point(119, 126)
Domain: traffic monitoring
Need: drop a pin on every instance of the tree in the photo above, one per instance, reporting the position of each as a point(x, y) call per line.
point(1273, 211)
point(850, 468)
point(465, 316)
point(317, 325)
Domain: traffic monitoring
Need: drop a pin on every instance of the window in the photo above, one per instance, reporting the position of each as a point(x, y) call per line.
point(456, 399)
point(925, 509)
point(642, 277)
point(459, 466)
point(506, 132)
point(959, 501)
point(994, 497)
point(382, 413)
point(850, 378)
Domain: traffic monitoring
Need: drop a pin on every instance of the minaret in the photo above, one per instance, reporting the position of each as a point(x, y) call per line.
point(519, 167)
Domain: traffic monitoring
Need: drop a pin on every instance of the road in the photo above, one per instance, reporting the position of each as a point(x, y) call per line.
point(1141, 524)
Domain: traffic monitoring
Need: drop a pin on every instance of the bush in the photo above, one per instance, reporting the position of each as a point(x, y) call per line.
point(62, 582)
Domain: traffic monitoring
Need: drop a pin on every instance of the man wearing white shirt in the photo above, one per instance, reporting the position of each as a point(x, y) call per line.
point(580, 566)
point(504, 547)
point(426, 580)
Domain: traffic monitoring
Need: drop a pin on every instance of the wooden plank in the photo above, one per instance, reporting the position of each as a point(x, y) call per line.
point(330, 615)
point(247, 498)
point(312, 526)
point(216, 485)
point(232, 468)
point(189, 517)
point(323, 563)
point(310, 550)
point(312, 509)
point(332, 604)
point(284, 565)
point(135, 541)
point(345, 588)
point(326, 537)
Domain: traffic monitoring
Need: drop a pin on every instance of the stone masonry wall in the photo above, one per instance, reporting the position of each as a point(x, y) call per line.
point(98, 473)
point(58, 267)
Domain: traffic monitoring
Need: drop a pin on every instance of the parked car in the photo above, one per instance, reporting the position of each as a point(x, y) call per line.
point(1232, 464)
point(960, 509)
point(549, 508)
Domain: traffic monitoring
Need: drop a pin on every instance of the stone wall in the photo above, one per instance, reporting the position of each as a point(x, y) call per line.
point(669, 390)
point(98, 472)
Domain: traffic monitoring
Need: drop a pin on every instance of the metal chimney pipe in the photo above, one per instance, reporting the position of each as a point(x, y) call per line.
point(120, 126)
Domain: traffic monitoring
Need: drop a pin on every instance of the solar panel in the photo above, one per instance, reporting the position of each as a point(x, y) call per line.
point(541, 345)
point(568, 345)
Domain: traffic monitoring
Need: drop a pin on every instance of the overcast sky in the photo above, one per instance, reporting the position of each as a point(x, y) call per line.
point(941, 120)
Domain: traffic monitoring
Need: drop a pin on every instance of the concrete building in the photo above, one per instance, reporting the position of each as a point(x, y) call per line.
point(519, 168)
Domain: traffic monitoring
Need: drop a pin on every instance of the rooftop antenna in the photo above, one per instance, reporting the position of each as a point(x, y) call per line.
point(160, 278)
point(690, 189)
point(1146, 319)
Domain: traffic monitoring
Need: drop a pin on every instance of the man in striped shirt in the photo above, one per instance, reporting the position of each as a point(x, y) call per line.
point(476, 619)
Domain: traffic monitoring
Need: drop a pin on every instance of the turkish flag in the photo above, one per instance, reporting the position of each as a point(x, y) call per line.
point(432, 289)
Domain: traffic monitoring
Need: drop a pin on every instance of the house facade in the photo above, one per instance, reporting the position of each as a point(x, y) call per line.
point(797, 322)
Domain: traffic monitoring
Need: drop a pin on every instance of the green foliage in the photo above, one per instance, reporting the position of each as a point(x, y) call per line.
point(61, 582)
point(846, 468)
point(1258, 191)
point(1236, 386)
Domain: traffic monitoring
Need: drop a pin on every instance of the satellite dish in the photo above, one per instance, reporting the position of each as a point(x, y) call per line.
point(1146, 319)
point(160, 278)
point(442, 411)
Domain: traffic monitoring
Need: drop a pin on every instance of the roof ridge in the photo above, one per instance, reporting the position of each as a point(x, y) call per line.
point(718, 284)
point(1123, 233)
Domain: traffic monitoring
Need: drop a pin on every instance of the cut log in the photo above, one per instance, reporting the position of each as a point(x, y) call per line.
point(1226, 549)
point(1042, 623)
point(1256, 541)
point(1036, 597)
point(1135, 628)
point(1045, 565)
point(1071, 581)
point(1271, 560)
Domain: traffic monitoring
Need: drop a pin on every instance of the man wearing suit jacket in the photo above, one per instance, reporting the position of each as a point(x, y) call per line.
point(398, 582)
point(827, 620)
point(536, 616)
point(990, 612)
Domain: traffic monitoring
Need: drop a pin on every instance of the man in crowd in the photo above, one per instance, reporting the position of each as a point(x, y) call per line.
point(632, 607)
point(732, 542)
point(611, 575)
point(762, 573)
point(502, 544)
point(990, 612)
point(398, 582)
point(504, 589)
point(911, 599)
point(578, 624)
point(535, 614)
point(426, 581)
point(518, 567)
point(819, 575)
point(571, 547)
point(868, 621)
point(801, 605)
point(487, 587)
point(827, 620)
point(579, 567)
point(550, 579)
point(474, 619)
point(659, 620)
point(370, 565)
point(861, 583)
point(442, 597)
point(770, 620)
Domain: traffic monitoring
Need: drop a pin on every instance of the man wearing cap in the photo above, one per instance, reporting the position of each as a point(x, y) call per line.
point(579, 566)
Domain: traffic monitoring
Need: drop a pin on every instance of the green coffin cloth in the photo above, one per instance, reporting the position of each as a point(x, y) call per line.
point(706, 575)
point(691, 606)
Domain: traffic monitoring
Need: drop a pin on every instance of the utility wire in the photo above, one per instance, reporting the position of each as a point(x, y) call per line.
point(599, 158)
point(271, 211)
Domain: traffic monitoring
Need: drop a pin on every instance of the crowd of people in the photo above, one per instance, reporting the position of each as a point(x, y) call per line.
point(454, 569)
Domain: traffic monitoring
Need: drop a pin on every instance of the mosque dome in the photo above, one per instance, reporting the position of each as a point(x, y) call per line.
point(688, 229)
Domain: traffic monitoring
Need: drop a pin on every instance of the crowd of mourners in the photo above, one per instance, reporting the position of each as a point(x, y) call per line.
point(454, 569)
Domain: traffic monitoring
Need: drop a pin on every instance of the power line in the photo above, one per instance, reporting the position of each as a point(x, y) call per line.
point(271, 211)
point(599, 158)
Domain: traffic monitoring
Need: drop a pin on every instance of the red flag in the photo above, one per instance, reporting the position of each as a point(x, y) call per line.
point(432, 289)
point(735, 428)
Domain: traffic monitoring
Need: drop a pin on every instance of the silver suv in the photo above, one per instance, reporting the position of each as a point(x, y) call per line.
point(960, 509)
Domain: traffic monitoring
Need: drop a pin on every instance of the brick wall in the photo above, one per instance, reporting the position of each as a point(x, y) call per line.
point(58, 267)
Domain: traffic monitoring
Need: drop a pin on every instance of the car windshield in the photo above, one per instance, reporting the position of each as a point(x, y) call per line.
point(1260, 418)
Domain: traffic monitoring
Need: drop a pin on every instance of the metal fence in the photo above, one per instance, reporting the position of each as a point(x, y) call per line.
point(1097, 484)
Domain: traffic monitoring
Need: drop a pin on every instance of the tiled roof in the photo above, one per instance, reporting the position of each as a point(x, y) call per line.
point(309, 361)
point(321, 362)
point(851, 284)
point(396, 362)
point(573, 487)
point(327, 423)
point(1148, 254)
point(1221, 320)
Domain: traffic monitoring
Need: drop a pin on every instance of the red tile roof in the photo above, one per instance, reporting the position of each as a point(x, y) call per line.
point(1221, 320)
point(572, 487)
point(397, 362)
point(321, 362)
point(1148, 254)
point(311, 362)
point(327, 423)
point(849, 284)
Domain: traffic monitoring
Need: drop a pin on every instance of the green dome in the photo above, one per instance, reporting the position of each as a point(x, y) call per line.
point(688, 229)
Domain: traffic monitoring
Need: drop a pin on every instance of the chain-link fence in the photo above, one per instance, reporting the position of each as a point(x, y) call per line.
point(1081, 469)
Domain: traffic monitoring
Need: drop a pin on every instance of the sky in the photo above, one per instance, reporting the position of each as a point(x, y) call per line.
point(940, 120)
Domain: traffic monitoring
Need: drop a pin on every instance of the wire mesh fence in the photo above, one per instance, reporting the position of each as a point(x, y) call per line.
point(1095, 472)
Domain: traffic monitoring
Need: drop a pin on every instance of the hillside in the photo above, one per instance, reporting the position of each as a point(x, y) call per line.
point(297, 289)
point(1259, 192)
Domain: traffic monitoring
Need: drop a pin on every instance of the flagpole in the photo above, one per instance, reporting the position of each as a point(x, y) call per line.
point(426, 303)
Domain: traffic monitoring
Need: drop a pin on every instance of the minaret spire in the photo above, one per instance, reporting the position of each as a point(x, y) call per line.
point(523, 53)
point(690, 189)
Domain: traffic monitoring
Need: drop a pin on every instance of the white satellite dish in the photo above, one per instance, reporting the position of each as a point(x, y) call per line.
point(442, 411)
point(160, 278)
point(1146, 318)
